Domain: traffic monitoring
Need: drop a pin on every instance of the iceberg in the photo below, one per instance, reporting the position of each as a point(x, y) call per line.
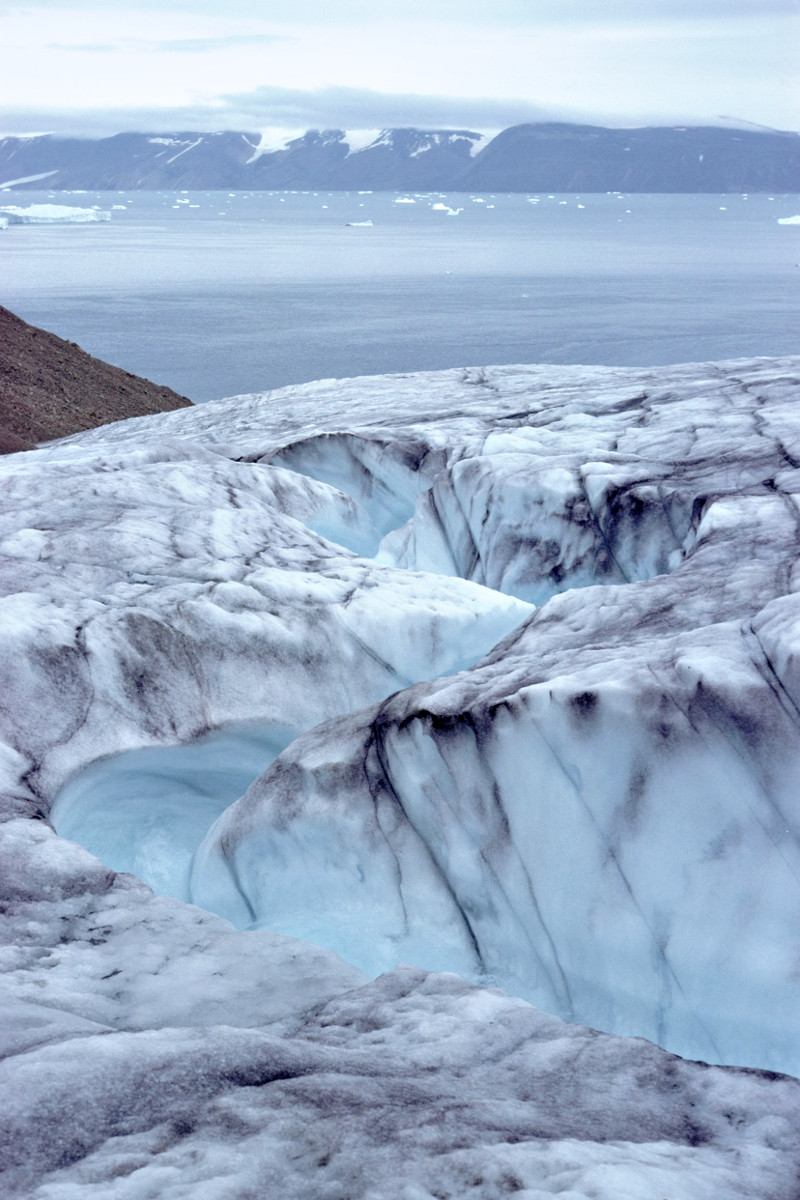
point(52, 214)
point(523, 643)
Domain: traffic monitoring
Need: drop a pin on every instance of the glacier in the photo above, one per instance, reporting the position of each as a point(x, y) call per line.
point(493, 672)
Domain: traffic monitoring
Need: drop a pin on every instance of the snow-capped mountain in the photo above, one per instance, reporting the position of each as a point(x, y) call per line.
point(548, 156)
point(127, 160)
point(328, 158)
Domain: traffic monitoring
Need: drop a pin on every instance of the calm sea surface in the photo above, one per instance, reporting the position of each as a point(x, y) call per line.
point(217, 294)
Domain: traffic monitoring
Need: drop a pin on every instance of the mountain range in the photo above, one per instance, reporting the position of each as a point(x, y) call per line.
point(549, 156)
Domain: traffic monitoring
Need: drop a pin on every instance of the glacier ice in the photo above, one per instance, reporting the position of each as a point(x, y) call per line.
point(592, 803)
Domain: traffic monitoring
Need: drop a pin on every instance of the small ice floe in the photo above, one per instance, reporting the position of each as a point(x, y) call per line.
point(789, 220)
point(404, 200)
point(52, 214)
point(445, 208)
point(359, 224)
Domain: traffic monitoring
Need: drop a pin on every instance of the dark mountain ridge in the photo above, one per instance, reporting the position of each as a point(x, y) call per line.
point(570, 158)
point(549, 156)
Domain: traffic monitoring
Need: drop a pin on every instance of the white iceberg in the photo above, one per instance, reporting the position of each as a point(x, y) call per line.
point(52, 214)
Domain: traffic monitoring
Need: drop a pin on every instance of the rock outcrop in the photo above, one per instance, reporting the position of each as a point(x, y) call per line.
point(50, 388)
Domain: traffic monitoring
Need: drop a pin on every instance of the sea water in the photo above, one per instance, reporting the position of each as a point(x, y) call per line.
point(219, 293)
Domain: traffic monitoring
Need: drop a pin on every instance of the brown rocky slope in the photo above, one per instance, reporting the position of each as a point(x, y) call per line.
point(50, 388)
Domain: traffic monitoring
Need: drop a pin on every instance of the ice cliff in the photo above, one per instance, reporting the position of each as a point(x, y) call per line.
point(531, 637)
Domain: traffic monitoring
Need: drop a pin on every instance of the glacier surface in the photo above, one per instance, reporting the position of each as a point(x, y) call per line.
point(523, 640)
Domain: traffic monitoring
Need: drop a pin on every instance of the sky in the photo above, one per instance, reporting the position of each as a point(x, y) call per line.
point(92, 68)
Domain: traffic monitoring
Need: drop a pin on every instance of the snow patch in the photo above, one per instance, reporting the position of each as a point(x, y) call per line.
point(357, 140)
point(10, 183)
point(185, 150)
point(479, 142)
point(273, 140)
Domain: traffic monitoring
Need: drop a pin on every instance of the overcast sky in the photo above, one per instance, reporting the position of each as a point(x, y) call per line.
point(93, 68)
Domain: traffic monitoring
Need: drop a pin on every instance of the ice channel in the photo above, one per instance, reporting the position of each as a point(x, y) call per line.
point(146, 811)
point(507, 536)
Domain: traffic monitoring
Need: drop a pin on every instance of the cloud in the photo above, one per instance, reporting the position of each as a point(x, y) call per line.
point(680, 61)
point(198, 45)
point(353, 108)
point(522, 13)
point(325, 108)
point(284, 108)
